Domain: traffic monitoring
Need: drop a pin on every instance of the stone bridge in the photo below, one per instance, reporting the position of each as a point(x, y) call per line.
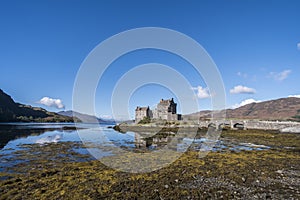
point(249, 124)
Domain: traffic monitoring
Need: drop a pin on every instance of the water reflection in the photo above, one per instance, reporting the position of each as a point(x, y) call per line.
point(141, 140)
point(20, 141)
point(199, 144)
point(12, 131)
point(14, 135)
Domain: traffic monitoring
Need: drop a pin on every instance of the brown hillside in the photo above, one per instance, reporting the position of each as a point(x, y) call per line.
point(279, 109)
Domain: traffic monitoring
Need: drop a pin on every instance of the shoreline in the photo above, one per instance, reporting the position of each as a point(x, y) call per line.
point(123, 128)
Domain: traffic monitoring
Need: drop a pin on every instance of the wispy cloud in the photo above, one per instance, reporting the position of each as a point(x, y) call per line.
point(239, 89)
point(298, 46)
point(280, 76)
point(243, 75)
point(202, 93)
point(47, 101)
point(297, 96)
point(245, 102)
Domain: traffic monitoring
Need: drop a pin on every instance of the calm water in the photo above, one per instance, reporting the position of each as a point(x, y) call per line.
point(16, 140)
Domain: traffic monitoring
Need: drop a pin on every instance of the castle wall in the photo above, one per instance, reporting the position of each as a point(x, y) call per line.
point(141, 113)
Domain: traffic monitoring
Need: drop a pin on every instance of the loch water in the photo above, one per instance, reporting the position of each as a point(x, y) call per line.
point(18, 139)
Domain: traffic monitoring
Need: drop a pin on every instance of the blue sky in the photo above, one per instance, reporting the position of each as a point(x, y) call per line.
point(255, 45)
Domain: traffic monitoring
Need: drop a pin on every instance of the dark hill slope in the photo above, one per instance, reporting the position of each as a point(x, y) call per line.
point(10, 111)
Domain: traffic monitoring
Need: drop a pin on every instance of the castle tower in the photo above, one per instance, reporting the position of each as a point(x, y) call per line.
point(141, 112)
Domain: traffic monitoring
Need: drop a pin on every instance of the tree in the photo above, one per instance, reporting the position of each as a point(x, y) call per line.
point(145, 120)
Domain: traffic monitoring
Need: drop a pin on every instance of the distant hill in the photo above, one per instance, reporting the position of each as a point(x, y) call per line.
point(10, 111)
point(279, 109)
point(84, 117)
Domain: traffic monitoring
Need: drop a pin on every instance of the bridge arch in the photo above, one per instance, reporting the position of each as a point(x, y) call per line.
point(223, 126)
point(212, 125)
point(239, 125)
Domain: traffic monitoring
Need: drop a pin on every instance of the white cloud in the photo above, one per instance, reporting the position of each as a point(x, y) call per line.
point(245, 102)
point(239, 89)
point(297, 96)
point(47, 101)
point(202, 93)
point(298, 45)
point(280, 76)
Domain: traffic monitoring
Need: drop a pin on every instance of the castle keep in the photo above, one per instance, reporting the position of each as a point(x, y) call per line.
point(165, 110)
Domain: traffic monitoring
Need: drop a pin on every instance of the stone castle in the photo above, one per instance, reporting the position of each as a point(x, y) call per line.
point(165, 110)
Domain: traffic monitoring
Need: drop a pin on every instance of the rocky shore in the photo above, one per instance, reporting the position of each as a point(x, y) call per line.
point(152, 127)
point(266, 174)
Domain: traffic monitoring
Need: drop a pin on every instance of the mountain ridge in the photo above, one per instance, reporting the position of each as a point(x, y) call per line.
point(278, 109)
point(85, 117)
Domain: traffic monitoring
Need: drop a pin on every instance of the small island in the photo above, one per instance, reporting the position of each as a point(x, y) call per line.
point(165, 118)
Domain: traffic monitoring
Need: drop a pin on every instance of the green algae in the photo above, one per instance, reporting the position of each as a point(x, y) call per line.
point(268, 138)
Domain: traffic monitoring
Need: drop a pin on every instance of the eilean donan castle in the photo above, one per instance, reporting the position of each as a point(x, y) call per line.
point(165, 110)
